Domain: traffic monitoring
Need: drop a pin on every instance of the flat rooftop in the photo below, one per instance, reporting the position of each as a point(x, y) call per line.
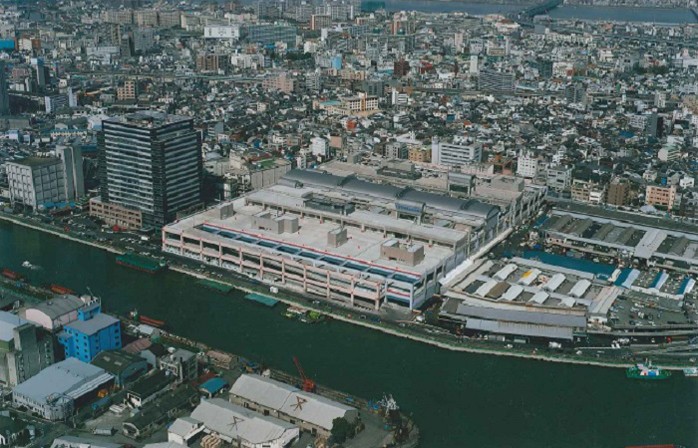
point(148, 119)
point(310, 241)
point(36, 161)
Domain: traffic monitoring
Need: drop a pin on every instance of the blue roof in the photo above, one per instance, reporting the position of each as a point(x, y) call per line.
point(214, 385)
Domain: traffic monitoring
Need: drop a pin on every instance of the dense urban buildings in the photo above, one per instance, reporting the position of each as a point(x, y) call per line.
point(512, 182)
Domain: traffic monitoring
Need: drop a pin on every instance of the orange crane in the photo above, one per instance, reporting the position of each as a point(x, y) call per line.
point(308, 384)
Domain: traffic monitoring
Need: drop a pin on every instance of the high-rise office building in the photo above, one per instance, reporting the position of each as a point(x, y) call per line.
point(151, 163)
point(72, 165)
point(492, 81)
point(4, 94)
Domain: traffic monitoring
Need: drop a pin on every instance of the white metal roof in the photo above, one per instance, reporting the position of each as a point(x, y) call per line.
point(529, 276)
point(580, 288)
point(486, 287)
point(555, 282)
point(304, 406)
point(235, 422)
point(540, 297)
point(505, 272)
point(513, 292)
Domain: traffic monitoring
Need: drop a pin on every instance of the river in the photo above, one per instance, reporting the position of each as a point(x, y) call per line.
point(457, 399)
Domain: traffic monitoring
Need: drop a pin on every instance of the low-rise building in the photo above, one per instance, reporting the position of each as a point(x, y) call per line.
point(250, 429)
point(91, 333)
point(35, 182)
point(59, 390)
point(312, 412)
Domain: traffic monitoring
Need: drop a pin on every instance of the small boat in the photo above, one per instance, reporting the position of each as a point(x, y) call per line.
point(647, 372)
point(27, 264)
point(690, 372)
point(62, 290)
point(12, 275)
point(152, 322)
point(141, 263)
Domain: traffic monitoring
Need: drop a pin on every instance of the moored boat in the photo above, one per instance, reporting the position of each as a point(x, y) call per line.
point(690, 372)
point(140, 263)
point(12, 275)
point(58, 289)
point(647, 372)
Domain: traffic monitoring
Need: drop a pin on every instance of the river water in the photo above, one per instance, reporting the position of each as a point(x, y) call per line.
point(457, 399)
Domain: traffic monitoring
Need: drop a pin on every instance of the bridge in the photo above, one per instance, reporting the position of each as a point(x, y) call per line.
point(539, 9)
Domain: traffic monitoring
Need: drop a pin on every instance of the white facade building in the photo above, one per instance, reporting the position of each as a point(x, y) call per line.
point(319, 147)
point(457, 153)
point(222, 32)
point(36, 181)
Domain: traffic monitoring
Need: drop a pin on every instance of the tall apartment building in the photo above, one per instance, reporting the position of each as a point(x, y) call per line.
point(492, 81)
point(281, 82)
point(527, 165)
point(456, 153)
point(590, 191)
point(127, 91)
point(25, 349)
point(661, 196)
point(150, 162)
point(320, 21)
point(271, 34)
point(207, 62)
point(619, 192)
point(36, 181)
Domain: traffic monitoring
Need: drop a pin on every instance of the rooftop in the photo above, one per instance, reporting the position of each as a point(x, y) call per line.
point(71, 377)
point(93, 325)
point(37, 161)
point(8, 323)
point(148, 119)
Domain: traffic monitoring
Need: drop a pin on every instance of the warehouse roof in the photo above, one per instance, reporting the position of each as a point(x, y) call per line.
point(282, 397)
point(81, 442)
point(70, 377)
point(116, 361)
point(389, 192)
point(59, 306)
point(235, 422)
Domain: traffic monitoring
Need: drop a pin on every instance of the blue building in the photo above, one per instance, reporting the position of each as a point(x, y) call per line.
point(92, 333)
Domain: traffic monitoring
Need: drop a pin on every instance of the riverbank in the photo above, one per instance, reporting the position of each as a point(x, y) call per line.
point(442, 341)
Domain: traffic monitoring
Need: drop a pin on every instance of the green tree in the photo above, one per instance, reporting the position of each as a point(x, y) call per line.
point(341, 429)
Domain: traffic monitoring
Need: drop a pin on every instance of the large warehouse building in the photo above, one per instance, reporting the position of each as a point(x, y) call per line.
point(58, 390)
point(527, 298)
point(339, 238)
point(312, 412)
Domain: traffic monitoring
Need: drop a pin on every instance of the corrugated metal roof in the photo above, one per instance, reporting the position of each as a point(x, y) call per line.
point(70, 377)
point(304, 406)
point(520, 329)
point(541, 317)
point(59, 306)
point(233, 422)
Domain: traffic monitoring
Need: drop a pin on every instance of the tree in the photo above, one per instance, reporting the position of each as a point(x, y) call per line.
point(341, 429)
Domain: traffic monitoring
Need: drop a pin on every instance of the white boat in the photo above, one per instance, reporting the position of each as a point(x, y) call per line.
point(690, 372)
point(27, 264)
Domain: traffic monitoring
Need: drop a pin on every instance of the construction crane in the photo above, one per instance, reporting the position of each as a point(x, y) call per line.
point(308, 384)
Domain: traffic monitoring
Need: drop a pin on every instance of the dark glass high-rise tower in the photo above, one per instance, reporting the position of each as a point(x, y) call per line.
point(151, 162)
